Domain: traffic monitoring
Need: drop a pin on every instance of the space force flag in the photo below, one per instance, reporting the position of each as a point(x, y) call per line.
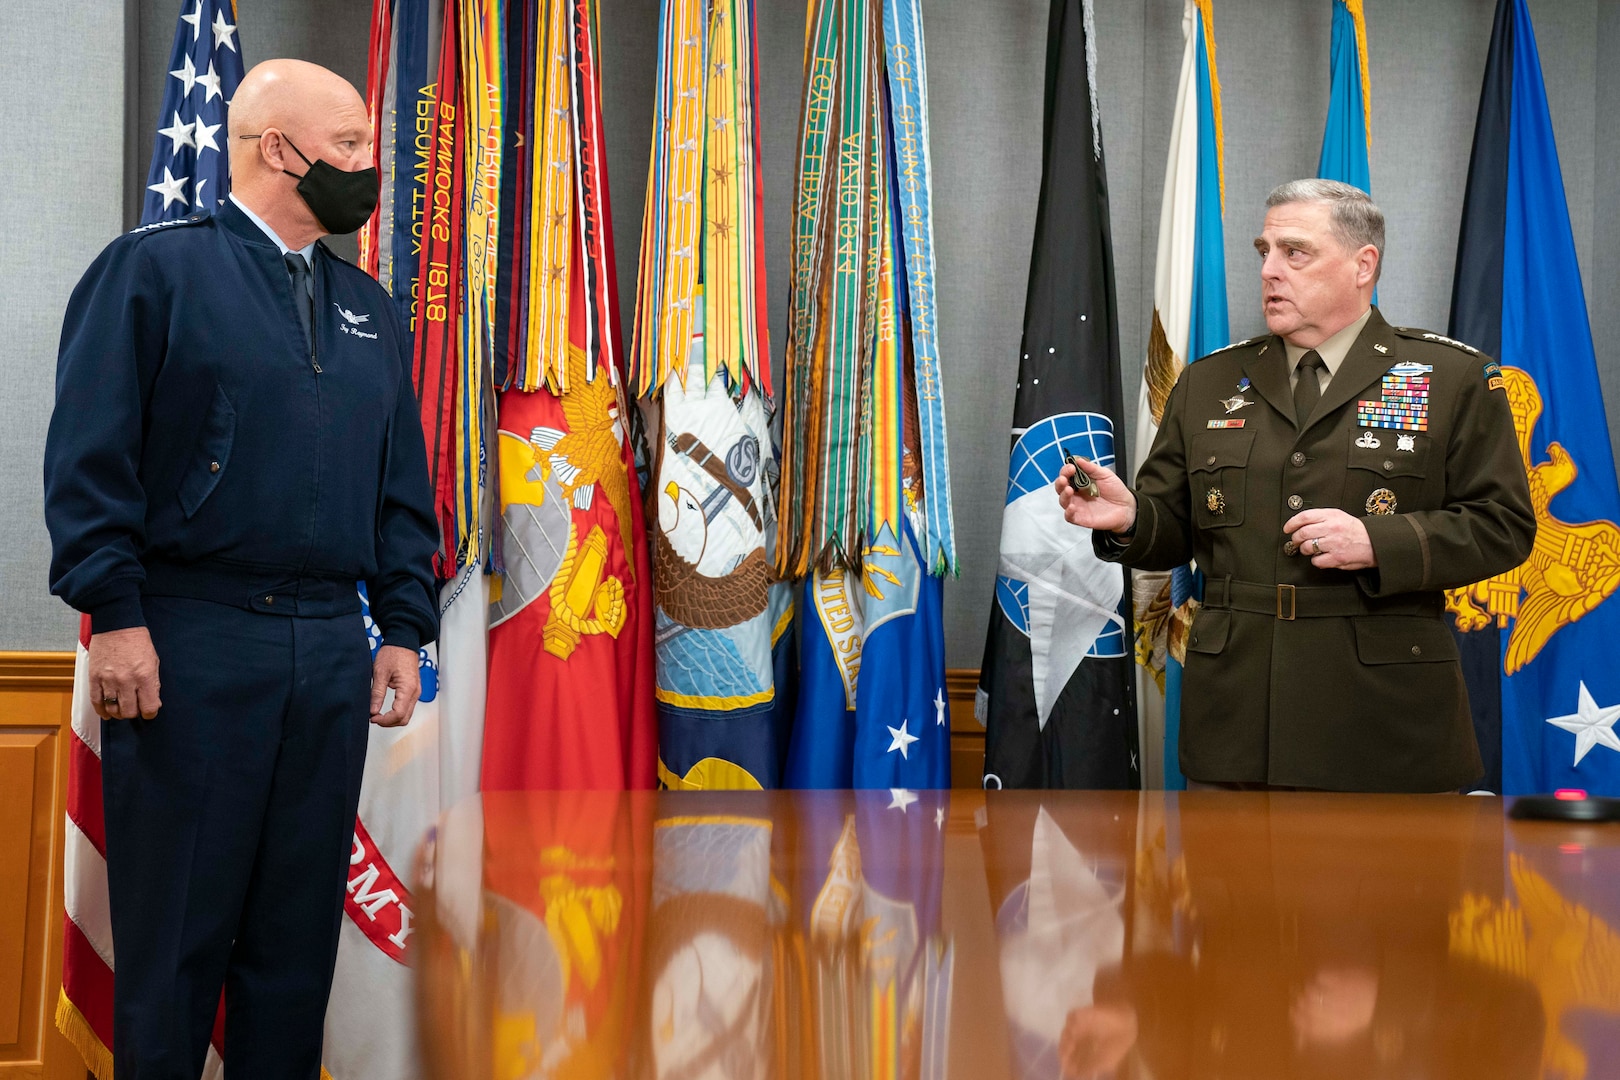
point(1539, 639)
point(1189, 321)
point(1055, 689)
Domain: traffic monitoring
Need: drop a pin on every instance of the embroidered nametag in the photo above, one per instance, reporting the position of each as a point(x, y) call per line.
point(1226, 423)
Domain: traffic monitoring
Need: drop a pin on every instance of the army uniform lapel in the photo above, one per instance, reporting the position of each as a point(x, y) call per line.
point(1267, 370)
point(1368, 359)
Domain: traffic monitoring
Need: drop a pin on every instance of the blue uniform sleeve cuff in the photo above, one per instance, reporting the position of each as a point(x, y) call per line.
point(406, 637)
point(119, 613)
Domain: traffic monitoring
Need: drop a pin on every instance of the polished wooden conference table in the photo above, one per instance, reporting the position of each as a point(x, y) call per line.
point(803, 935)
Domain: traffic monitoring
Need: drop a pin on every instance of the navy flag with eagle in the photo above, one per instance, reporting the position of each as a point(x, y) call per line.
point(190, 168)
point(1055, 692)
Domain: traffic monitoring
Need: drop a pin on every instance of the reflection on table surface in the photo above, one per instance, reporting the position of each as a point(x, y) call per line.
point(701, 936)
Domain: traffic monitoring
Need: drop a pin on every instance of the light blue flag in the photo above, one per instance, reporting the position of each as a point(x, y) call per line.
point(1347, 137)
point(1207, 331)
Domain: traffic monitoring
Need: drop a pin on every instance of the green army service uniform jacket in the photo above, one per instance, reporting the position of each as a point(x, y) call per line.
point(1317, 678)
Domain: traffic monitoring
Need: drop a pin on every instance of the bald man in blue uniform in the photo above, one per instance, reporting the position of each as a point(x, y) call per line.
point(235, 445)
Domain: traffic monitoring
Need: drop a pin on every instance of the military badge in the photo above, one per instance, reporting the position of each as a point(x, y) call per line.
point(1215, 501)
point(1243, 383)
point(1368, 441)
point(1407, 443)
point(1493, 376)
point(1382, 349)
point(1235, 402)
point(1381, 502)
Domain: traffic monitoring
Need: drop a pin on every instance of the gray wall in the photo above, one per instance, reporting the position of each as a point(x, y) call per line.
point(986, 59)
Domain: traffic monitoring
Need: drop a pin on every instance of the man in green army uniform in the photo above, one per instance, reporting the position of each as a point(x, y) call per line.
point(1330, 479)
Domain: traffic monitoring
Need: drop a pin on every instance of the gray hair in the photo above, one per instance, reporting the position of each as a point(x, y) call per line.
point(1356, 219)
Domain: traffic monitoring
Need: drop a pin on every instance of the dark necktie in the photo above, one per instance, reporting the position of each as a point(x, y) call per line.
point(304, 295)
point(1308, 390)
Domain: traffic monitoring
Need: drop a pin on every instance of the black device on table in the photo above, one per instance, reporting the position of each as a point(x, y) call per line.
point(1566, 804)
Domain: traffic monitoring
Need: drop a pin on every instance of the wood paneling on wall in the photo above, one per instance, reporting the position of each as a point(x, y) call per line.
point(35, 696)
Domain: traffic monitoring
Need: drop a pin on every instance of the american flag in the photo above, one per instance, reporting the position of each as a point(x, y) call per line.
point(190, 170)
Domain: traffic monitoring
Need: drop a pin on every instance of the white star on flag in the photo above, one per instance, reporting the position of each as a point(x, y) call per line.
point(181, 133)
point(1590, 724)
point(939, 707)
point(224, 32)
point(196, 198)
point(901, 741)
point(187, 75)
point(195, 19)
point(171, 187)
point(203, 139)
point(210, 80)
point(900, 798)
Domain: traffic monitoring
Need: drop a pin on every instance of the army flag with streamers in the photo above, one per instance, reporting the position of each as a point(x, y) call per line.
point(1189, 321)
point(700, 368)
point(571, 663)
point(1055, 686)
point(865, 509)
point(1538, 640)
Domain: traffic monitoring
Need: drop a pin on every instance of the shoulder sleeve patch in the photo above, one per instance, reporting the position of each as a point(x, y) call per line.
point(1493, 376)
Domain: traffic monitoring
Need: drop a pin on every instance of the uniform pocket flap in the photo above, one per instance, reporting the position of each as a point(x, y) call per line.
point(1214, 450)
point(1387, 458)
point(1403, 639)
point(1209, 631)
point(212, 454)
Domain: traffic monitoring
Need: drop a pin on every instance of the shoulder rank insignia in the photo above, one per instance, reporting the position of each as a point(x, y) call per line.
point(1234, 345)
point(189, 219)
point(1425, 335)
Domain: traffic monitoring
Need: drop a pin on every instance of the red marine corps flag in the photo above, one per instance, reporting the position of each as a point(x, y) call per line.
point(570, 646)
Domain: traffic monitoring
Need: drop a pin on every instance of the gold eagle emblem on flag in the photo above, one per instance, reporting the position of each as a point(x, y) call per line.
point(1572, 569)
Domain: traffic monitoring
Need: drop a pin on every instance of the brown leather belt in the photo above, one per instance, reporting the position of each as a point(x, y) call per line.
point(1290, 602)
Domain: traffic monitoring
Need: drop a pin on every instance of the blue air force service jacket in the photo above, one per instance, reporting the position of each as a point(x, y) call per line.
point(200, 448)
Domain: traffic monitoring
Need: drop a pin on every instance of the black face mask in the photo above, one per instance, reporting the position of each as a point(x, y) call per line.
point(342, 201)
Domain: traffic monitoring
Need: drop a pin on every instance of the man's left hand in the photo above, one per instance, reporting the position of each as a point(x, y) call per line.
point(1332, 538)
point(395, 669)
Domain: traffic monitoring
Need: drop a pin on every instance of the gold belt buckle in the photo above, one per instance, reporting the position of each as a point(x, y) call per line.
point(1286, 607)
